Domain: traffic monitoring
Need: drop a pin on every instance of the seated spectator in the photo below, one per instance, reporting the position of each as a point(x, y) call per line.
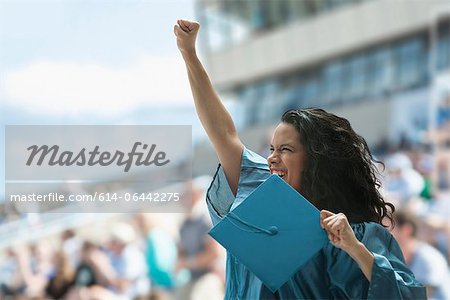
point(62, 280)
point(438, 220)
point(84, 274)
point(428, 264)
point(443, 171)
point(123, 269)
point(402, 181)
point(71, 246)
point(160, 253)
point(198, 252)
point(12, 282)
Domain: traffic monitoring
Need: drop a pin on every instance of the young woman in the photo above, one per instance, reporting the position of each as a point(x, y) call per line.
point(320, 156)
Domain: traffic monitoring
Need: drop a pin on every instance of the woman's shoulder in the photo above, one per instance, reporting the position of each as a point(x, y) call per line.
point(253, 171)
point(253, 159)
point(376, 237)
point(378, 229)
point(370, 230)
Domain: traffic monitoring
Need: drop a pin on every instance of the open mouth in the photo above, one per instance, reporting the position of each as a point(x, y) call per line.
point(279, 173)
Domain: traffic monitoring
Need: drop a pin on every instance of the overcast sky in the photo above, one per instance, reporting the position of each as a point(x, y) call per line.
point(75, 57)
point(92, 62)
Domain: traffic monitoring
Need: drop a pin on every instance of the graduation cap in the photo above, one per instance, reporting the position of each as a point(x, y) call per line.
point(273, 232)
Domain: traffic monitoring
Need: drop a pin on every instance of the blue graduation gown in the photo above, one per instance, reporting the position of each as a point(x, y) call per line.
point(332, 273)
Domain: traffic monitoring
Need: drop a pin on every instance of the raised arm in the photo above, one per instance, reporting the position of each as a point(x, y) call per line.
point(212, 113)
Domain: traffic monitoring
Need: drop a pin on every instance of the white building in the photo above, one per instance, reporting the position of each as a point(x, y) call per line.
point(371, 61)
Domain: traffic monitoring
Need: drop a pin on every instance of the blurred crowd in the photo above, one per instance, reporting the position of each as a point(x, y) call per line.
point(140, 256)
point(171, 256)
point(417, 182)
point(416, 179)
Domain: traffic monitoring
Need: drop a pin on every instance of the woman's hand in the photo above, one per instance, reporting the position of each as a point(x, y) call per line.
point(341, 235)
point(339, 232)
point(186, 33)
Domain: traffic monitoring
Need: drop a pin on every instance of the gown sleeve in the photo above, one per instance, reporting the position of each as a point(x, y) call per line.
point(219, 197)
point(391, 278)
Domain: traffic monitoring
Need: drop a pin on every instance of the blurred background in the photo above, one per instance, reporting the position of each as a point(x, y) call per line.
point(384, 65)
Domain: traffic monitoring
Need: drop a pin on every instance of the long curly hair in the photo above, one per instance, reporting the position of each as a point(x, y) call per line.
point(340, 174)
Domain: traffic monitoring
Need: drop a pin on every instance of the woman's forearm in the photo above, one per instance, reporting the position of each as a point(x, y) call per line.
point(364, 258)
point(215, 119)
point(212, 113)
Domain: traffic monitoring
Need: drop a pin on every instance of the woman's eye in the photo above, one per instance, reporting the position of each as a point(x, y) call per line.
point(286, 149)
point(271, 150)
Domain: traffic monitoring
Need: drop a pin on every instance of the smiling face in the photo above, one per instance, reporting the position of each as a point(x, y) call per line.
point(287, 158)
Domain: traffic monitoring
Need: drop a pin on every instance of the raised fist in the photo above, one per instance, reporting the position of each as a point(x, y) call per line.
point(186, 33)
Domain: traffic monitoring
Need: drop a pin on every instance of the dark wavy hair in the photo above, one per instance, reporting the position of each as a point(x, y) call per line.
point(340, 174)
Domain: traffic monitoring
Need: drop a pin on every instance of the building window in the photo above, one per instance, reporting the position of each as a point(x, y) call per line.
point(356, 72)
point(332, 82)
point(380, 71)
point(226, 23)
point(229, 22)
point(309, 92)
point(269, 107)
point(443, 47)
point(249, 96)
point(303, 93)
point(410, 61)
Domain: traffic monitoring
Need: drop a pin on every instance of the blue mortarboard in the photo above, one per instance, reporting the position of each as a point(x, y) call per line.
point(273, 232)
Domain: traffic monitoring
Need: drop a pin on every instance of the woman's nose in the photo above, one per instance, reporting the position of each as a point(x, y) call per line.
point(273, 158)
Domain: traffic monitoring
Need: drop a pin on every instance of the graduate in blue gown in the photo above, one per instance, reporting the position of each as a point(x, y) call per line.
point(319, 155)
point(332, 273)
